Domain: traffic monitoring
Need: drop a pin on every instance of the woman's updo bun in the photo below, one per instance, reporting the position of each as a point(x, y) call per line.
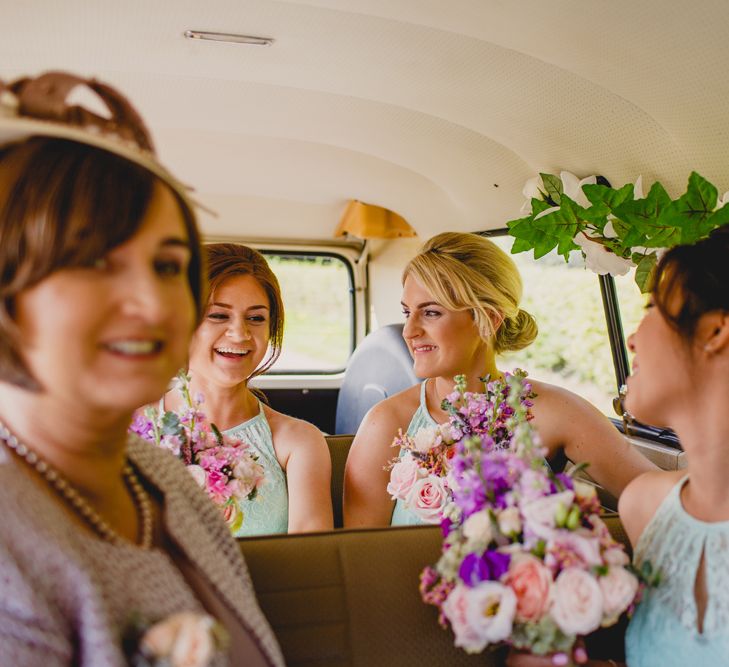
point(469, 272)
point(516, 333)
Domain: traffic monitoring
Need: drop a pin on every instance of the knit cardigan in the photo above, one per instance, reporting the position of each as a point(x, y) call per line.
point(67, 597)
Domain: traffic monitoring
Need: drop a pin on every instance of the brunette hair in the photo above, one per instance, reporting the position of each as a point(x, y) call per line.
point(697, 277)
point(469, 272)
point(64, 204)
point(226, 260)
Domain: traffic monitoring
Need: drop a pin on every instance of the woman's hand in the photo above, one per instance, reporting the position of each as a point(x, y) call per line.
point(578, 657)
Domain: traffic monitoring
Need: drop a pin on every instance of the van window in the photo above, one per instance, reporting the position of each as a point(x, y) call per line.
point(572, 349)
point(318, 299)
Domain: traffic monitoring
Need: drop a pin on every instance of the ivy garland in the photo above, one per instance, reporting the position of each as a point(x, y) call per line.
point(599, 218)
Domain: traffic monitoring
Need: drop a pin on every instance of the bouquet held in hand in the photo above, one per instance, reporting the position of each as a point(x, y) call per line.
point(526, 558)
point(226, 468)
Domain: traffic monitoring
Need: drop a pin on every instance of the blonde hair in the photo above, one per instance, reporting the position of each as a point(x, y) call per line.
point(469, 272)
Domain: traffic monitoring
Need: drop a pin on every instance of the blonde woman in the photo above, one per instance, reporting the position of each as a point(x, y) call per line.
point(461, 298)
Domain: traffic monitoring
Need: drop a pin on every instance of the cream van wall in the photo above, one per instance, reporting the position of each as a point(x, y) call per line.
point(387, 260)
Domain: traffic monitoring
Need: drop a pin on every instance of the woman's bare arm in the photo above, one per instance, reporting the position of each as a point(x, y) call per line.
point(565, 420)
point(366, 501)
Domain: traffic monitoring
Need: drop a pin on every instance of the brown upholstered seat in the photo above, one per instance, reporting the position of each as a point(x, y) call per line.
point(338, 449)
point(350, 598)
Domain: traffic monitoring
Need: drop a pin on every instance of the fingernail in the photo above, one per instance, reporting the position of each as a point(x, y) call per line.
point(560, 659)
point(580, 655)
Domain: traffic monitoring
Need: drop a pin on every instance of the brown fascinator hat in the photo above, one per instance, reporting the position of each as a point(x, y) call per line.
point(40, 106)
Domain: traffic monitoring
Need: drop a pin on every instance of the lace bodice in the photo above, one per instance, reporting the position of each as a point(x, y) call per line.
point(401, 516)
point(268, 512)
point(664, 629)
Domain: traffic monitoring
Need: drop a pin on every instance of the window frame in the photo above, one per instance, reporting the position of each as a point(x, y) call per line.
point(621, 363)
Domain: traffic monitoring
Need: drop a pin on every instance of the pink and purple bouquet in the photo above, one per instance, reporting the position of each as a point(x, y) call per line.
point(526, 558)
point(226, 468)
point(419, 476)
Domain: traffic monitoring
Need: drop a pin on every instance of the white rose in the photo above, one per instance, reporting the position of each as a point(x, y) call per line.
point(480, 615)
point(402, 477)
point(198, 474)
point(578, 602)
point(599, 259)
point(477, 527)
point(580, 549)
point(426, 438)
point(427, 499)
point(509, 521)
point(618, 588)
point(539, 514)
point(183, 640)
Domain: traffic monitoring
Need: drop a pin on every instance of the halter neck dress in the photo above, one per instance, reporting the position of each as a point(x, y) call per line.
point(268, 512)
point(401, 515)
point(664, 630)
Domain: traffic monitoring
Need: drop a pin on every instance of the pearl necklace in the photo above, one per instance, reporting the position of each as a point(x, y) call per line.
point(78, 503)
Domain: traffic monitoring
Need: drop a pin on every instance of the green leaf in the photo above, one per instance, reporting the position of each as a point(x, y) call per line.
point(640, 217)
point(539, 205)
point(553, 187)
point(610, 197)
point(691, 212)
point(565, 246)
point(171, 424)
point(644, 272)
point(520, 245)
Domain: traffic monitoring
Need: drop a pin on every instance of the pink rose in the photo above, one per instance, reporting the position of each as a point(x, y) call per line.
point(531, 581)
point(480, 615)
point(427, 499)
point(402, 477)
point(619, 588)
point(578, 602)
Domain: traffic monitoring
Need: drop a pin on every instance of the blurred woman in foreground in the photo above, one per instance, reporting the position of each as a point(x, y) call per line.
point(108, 550)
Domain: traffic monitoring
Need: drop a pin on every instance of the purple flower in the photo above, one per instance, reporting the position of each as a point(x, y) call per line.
point(491, 566)
point(446, 526)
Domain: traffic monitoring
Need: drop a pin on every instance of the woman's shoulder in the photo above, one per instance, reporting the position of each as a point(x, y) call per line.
point(398, 408)
point(642, 497)
point(285, 426)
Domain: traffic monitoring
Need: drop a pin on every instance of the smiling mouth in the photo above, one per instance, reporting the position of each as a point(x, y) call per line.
point(134, 348)
point(231, 353)
point(421, 349)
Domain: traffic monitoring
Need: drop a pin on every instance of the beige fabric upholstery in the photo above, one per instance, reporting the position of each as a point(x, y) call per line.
point(338, 449)
point(350, 598)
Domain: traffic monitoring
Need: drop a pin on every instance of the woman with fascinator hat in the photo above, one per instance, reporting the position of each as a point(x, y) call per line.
point(109, 552)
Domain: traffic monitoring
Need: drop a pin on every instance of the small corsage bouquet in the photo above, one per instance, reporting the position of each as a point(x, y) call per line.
point(185, 639)
point(419, 475)
point(224, 467)
point(526, 558)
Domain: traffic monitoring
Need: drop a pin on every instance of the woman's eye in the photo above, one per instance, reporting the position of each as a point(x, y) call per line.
point(168, 267)
point(432, 313)
point(217, 317)
point(406, 314)
point(257, 319)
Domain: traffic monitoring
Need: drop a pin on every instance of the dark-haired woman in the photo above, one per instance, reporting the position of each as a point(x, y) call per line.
point(461, 298)
point(239, 338)
point(106, 543)
point(679, 521)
